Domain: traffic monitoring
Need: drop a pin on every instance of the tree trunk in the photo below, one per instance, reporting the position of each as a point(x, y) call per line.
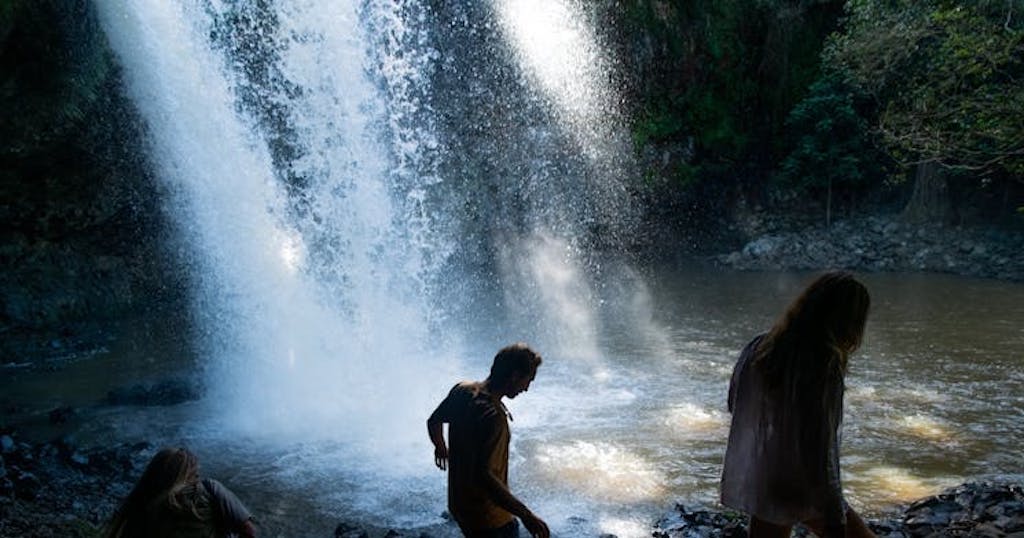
point(929, 203)
point(828, 205)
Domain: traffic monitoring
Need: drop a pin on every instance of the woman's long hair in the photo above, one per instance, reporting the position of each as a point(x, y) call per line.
point(806, 352)
point(168, 473)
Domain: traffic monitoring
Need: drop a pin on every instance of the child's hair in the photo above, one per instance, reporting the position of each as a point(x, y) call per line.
point(170, 471)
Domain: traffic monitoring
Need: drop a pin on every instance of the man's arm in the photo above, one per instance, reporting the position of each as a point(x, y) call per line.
point(498, 491)
point(435, 429)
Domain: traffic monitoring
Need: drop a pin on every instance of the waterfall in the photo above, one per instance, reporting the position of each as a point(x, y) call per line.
point(311, 260)
point(377, 196)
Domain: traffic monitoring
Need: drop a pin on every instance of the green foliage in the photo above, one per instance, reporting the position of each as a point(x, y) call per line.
point(945, 75)
point(53, 65)
point(658, 122)
point(730, 71)
point(686, 175)
point(831, 146)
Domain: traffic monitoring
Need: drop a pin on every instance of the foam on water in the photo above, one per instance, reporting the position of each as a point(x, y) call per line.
point(604, 471)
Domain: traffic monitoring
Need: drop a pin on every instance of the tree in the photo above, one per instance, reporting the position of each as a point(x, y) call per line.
point(947, 78)
point(831, 148)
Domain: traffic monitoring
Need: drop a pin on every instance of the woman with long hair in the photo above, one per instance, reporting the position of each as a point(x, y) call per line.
point(786, 399)
point(171, 501)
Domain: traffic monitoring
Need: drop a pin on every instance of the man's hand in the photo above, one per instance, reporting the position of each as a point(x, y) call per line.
point(441, 456)
point(536, 526)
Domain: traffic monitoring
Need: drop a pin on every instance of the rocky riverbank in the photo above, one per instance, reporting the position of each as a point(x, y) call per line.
point(60, 490)
point(56, 489)
point(979, 510)
point(883, 244)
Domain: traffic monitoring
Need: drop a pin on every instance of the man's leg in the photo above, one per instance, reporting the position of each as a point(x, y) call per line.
point(762, 529)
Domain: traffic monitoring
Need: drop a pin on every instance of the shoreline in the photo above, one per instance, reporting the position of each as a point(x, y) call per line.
point(877, 244)
point(58, 489)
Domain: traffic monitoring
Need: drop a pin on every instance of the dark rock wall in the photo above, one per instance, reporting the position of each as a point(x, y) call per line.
point(83, 235)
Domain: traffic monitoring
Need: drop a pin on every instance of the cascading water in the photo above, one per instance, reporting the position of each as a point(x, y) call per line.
point(305, 278)
point(362, 182)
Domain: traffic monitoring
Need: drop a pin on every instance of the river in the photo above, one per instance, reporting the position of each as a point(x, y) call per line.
point(606, 444)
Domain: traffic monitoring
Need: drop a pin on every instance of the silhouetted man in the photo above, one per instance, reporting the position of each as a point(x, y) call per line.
point(477, 460)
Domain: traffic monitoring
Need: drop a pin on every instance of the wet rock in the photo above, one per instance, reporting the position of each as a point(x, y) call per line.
point(881, 243)
point(6, 486)
point(61, 414)
point(762, 247)
point(980, 531)
point(118, 460)
point(887, 529)
point(681, 523)
point(167, 392)
point(349, 530)
point(53, 489)
point(7, 444)
point(978, 510)
point(26, 484)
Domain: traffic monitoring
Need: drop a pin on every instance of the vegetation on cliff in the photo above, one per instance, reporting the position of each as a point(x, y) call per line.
point(79, 206)
point(778, 100)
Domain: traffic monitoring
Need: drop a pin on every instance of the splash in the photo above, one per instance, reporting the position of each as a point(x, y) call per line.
point(602, 471)
point(691, 420)
point(895, 484)
point(547, 284)
point(925, 427)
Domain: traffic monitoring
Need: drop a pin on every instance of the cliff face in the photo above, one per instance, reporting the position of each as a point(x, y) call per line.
point(83, 235)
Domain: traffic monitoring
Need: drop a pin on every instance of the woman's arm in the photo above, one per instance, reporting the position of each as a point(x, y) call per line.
point(834, 509)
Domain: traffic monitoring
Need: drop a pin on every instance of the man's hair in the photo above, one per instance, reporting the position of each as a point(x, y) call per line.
point(513, 359)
